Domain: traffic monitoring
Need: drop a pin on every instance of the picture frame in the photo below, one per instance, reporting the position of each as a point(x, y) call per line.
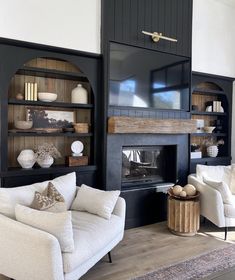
point(50, 119)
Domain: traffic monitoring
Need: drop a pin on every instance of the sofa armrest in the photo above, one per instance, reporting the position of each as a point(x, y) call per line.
point(120, 208)
point(212, 206)
point(28, 253)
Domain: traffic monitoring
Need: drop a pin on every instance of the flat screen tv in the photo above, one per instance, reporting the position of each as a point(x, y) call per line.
point(149, 79)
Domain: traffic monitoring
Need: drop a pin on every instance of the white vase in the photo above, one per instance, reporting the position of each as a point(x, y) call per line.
point(26, 158)
point(79, 95)
point(46, 162)
point(212, 151)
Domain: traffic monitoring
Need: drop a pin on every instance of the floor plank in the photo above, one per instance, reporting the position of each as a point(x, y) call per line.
point(147, 248)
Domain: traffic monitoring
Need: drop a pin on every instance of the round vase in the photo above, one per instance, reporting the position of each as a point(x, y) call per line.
point(79, 95)
point(46, 162)
point(26, 159)
point(212, 151)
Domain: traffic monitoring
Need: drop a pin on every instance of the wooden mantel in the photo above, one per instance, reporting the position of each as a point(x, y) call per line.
point(144, 125)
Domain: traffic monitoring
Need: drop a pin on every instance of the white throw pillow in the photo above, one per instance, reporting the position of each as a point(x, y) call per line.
point(95, 201)
point(223, 188)
point(24, 195)
point(57, 224)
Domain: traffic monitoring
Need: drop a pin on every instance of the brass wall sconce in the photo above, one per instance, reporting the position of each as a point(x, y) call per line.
point(157, 36)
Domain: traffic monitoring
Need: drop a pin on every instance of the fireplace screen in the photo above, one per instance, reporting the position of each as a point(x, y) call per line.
point(149, 164)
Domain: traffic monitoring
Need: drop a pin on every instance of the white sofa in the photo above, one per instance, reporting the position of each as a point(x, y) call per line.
point(29, 253)
point(211, 202)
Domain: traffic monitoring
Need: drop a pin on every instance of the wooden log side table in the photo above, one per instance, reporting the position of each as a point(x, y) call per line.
point(183, 215)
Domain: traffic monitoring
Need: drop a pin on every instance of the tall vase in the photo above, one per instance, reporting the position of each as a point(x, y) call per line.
point(26, 158)
point(45, 162)
point(79, 95)
point(212, 151)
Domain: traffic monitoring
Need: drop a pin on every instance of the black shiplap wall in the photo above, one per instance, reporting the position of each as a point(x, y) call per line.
point(123, 21)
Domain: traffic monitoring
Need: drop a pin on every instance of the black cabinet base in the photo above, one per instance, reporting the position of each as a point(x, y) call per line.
point(144, 207)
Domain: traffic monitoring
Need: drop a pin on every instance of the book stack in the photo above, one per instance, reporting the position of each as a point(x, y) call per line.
point(31, 91)
point(217, 107)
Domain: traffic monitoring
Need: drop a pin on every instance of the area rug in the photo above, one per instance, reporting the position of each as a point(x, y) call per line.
point(197, 267)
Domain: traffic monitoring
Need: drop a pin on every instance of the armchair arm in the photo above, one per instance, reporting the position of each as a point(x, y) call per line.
point(28, 253)
point(212, 206)
point(120, 208)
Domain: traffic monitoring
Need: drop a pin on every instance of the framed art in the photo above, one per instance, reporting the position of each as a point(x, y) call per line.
point(50, 119)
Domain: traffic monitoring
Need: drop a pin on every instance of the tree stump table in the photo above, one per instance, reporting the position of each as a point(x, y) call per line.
point(184, 215)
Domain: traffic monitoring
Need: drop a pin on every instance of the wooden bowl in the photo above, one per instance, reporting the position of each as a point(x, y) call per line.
point(188, 197)
point(208, 129)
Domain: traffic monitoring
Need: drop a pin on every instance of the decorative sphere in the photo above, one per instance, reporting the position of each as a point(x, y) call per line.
point(183, 193)
point(190, 189)
point(177, 189)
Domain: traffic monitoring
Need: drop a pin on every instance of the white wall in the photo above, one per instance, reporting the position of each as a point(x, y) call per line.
point(213, 40)
point(73, 24)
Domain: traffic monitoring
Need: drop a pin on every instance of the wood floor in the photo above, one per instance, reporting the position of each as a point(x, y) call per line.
point(145, 249)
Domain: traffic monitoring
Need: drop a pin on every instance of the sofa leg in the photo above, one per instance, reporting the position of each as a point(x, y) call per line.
point(110, 258)
point(225, 233)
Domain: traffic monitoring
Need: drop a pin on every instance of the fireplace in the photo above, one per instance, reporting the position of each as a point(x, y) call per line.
point(148, 165)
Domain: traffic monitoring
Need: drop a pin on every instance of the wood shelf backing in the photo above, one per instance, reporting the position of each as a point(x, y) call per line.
point(143, 125)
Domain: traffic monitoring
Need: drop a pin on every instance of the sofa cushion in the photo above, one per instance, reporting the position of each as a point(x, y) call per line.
point(223, 188)
point(57, 224)
point(219, 173)
point(24, 195)
point(91, 234)
point(95, 201)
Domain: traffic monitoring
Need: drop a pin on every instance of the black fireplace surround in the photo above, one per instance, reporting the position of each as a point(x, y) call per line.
point(125, 174)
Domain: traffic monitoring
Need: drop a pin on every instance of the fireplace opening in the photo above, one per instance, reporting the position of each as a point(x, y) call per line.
point(149, 165)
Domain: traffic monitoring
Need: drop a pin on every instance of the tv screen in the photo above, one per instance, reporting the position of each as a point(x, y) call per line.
point(150, 79)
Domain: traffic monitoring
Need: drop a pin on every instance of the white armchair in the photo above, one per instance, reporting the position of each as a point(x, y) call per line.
point(212, 206)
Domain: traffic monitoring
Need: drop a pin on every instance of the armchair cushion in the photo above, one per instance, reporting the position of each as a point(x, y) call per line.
point(57, 224)
point(217, 173)
point(95, 201)
point(223, 188)
point(24, 195)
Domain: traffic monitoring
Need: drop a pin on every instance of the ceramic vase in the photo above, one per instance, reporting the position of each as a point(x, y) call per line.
point(26, 159)
point(212, 151)
point(79, 95)
point(46, 162)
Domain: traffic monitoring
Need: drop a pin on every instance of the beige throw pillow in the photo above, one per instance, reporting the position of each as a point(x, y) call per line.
point(49, 200)
point(95, 201)
point(57, 224)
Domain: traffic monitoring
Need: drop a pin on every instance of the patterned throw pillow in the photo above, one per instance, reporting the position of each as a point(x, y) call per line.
point(49, 200)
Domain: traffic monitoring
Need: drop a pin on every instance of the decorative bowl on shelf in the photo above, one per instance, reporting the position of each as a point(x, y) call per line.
point(47, 96)
point(208, 129)
point(23, 124)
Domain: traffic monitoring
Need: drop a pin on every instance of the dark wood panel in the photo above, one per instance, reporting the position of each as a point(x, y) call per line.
point(124, 20)
point(144, 207)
